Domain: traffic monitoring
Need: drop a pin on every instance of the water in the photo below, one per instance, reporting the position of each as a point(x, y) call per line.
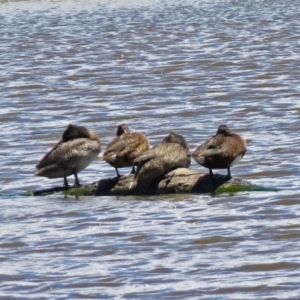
point(158, 66)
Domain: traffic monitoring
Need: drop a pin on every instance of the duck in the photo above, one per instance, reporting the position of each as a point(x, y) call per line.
point(124, 148)
point(171, 154)
point(221, 151)
point(78, 147)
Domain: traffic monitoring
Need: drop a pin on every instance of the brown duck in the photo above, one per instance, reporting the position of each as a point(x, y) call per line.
point(78, 147)
point(173, 153)
point(124, 148)
point(221, 151)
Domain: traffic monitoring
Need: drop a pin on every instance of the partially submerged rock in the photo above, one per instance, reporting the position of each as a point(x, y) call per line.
point(181, 180)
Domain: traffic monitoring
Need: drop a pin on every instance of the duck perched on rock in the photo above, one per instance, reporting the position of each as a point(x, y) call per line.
point(221, 151)
point(173, 153)
point(124, 148)
point(78, 147)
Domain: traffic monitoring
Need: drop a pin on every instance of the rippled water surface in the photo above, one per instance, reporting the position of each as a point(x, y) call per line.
point(186, 66)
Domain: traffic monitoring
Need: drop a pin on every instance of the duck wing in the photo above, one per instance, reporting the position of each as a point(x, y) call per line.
point(67, 153)
point(48, 157)
point(115, 146)
point(145, 156)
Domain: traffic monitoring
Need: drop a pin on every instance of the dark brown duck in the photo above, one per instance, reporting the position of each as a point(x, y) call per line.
point(124, 148)
point(78, 147)
point(221, 151)
point(173, 153)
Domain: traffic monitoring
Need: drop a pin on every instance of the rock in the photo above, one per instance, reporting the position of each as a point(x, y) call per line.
point(184, 181)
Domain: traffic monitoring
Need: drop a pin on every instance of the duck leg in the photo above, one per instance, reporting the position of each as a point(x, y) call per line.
point(133, 170)
point(118, 174)
point(211, 173)
point(66, 184)
point(76, 180)
point(228, 173)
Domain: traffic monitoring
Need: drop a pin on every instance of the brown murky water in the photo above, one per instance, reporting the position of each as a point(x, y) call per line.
point(187, 66)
